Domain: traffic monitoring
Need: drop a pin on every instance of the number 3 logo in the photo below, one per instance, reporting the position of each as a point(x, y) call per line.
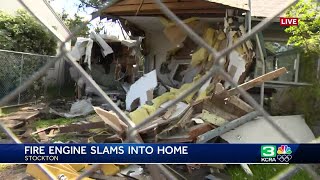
point(268, 151)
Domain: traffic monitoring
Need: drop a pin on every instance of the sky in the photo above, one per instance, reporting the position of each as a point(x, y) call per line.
point(71, 7)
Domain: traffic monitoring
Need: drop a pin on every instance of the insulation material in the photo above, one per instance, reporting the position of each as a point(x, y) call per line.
point(150, 109)
point(221, 36)
point(162, 99)
point(183, 88)
point(202, 54)
point(109, 169)
point(248, 43)
point(139, 89)
point(237, 66)
point(106, 48)
point(175, 34)
point(61, 172)
point(212, 118)
point(260, 131)
point(138, 115)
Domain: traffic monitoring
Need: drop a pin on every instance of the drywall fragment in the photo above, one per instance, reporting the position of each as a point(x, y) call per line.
point(80, 108)
point(237, 66)
point(212, 118)
point(261, 131)
point(82, 47)
point(138, 90)
point(106, 48)
point(111, 119)
point(87, 59)
point(180, 109)
point(132, 170)
point(79, 48)
point(197, 120)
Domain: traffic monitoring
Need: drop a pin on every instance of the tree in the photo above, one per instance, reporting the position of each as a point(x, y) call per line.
point(21, 32)
point(73, 23)
point(96, 4)
point(307, 34)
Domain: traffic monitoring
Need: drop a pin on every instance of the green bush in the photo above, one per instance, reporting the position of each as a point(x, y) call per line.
point(21, 32)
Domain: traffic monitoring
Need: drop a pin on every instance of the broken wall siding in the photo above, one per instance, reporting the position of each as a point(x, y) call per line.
point(159, 46)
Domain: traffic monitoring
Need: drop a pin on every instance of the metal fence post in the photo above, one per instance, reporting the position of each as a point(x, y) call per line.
point(22, 61)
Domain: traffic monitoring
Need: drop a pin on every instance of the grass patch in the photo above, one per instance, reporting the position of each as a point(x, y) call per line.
point(42, 123)
point(264, 172)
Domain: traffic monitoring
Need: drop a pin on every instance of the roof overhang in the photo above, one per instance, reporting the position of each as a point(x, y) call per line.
point(210, 8)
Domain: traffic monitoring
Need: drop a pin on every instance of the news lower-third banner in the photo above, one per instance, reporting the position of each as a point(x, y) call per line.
point(159, 153)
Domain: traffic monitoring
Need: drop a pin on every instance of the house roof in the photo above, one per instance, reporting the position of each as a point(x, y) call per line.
point(266, 8)
point(259, 8)
point(180, 7)
point(240, 4)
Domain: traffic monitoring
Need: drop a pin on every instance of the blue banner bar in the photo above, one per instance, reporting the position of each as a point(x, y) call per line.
point(159, 153)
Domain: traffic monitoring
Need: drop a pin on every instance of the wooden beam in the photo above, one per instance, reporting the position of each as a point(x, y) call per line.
point(131, 2)
point(217, 12)
point(199, 129)
point(172, 6)
point(257, 81)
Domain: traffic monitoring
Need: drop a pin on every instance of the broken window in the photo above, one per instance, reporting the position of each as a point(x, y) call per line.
point(279, 54)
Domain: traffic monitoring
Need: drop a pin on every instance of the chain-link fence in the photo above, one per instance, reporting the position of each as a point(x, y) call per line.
point(132, 135)
point(17, 67)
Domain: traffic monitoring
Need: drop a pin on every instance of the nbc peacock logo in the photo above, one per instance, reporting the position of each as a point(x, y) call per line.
point(284, 153)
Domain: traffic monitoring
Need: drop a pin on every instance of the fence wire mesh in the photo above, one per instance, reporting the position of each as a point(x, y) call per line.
point(17, 68)
point(20, 85)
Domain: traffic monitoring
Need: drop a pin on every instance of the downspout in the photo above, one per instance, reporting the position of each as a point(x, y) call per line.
point(263, 69)
point(260, 52)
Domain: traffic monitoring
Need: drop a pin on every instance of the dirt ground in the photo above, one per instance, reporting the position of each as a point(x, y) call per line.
point(14, 172)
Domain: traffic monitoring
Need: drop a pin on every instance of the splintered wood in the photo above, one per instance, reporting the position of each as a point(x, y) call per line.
point(259, 80)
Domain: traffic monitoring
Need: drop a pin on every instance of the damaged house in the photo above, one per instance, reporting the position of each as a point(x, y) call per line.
point(158, 61)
